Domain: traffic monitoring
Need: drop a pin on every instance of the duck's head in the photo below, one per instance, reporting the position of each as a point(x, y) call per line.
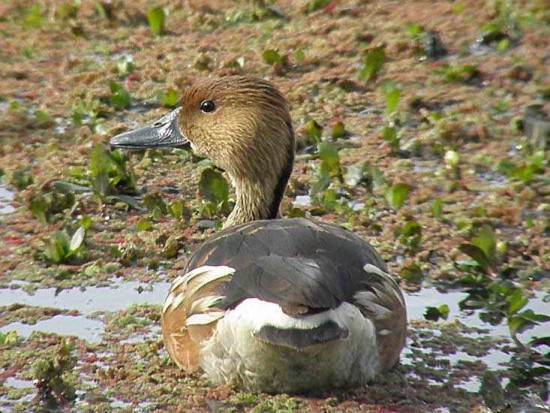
point(242, 124)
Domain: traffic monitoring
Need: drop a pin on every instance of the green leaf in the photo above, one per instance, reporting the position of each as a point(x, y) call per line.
point(77, 239)
point(525, 320)
point(516, 301)
point(156, 18)
point(412, 274)
point(21, 179)
point(411, 235)
point(213, 186)
point(272, 57)
point(120, 97)
point(457, 73)
point(314, 5)
point(176, 208)
point(125, 66)
point(338, 130)
point(144, 225)
point(476, 254)
point(39, 208)
point(155, 204)
point(435, 313)
point(397, 194)
point(34, 18)
point(392, 94)
point(314, 131)
point(330, 159)
point(169, 98)
point(373, 61)
point(437, 208)
point(486, 240)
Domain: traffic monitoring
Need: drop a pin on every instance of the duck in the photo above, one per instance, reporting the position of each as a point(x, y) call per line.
point(270, 304)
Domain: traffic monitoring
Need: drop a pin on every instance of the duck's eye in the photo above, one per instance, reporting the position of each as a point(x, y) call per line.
point(208, 106)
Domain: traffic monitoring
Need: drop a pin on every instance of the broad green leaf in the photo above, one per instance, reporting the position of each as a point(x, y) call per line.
point(156, 18)
point(392, 94)
point(338, 130)
point(119, 96)
point(486, 240)
point(213, 186)
point(437, 208)
point(412, 274)
point(314, 5)
point(475, 253)
point(373, 61)
point(169, 98)
point(272, 57)
point(435, 313)
point(144, 225)
point(397, 194)
point(330, 159)
point(314, 131)
point(516, 301)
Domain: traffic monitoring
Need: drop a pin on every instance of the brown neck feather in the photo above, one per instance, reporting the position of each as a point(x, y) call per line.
point(260, 199)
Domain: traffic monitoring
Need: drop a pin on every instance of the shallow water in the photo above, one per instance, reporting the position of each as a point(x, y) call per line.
point(6, 196)
point(121, 295)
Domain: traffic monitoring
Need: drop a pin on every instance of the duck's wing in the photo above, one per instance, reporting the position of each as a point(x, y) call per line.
point(303, 266)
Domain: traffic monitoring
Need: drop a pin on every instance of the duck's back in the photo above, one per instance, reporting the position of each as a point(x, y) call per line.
point(298, 271)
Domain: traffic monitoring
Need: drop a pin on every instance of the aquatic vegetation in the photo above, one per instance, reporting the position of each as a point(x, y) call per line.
point(272, 57)
point(156, 18)
point(314, 5)
point(313, 132)
point(21, 178)
point(169, 98)
point(110, 173)
point(329, 167)
point(120, 98)
point(53, 374)
point(410, 235)
point(412, 275)
point(125, 66)
point(338, 130)
point(474, 105)
point(45, 205)
point(9, 339)
point(392, 131)
point(526, 170)
point(397, 194)
point(436, 313)
point(62, 249)
point(457, 73)
point(373, 62)
point(482, 249)
point(214, 192)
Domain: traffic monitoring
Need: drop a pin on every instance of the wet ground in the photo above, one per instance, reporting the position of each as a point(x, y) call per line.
point(438, 112)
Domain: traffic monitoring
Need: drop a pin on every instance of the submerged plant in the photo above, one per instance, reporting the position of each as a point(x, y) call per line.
point(156, 18)
point(458, 73)
point(482, 250)
point(373, 62)
point(120, 97)
point(54, 384)
point(397, 194)
point(21, 179)
point(62, 249)
point(45, 205)
point(329, 167)
point(110, 173)
point(214, 191)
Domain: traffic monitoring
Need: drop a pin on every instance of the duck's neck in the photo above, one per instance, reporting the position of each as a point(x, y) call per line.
point(259, 199)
